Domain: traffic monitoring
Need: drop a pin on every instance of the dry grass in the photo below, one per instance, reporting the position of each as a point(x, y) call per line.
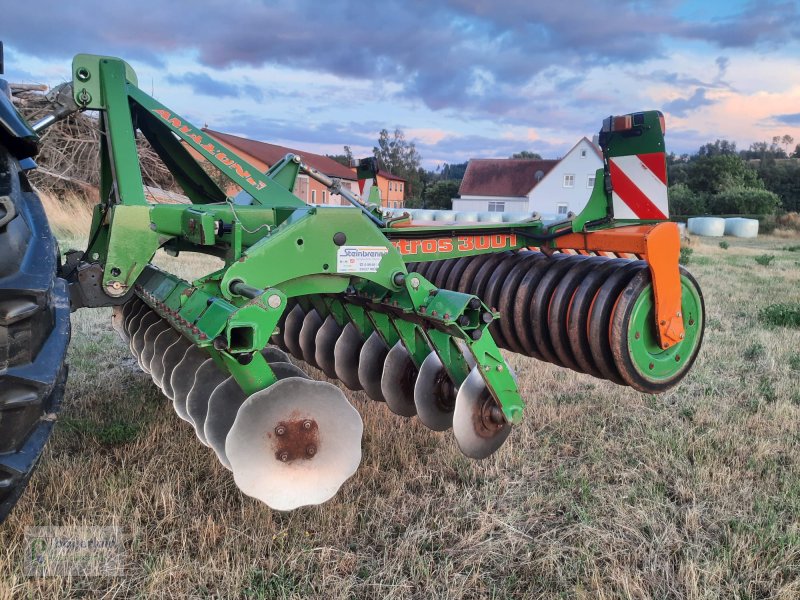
point(69, 215)
point(603, 492)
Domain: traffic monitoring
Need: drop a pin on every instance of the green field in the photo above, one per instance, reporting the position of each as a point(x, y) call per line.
point(602, 492)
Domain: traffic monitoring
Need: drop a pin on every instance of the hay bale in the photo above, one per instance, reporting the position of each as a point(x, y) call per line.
point(707, 226)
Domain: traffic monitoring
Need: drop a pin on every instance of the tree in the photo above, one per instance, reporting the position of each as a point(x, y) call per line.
point(683, 201)
point(783, 178)
point(744, 201)
point(713, 173)
point(455, 171)
point(719, 147)
point(440, 194)
point(399, 156)
point(345, 159)
point(787, 141)
point(796, 153)
point(527, 154)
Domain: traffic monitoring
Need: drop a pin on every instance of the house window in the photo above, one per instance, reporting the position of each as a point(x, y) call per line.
point(401, 187)
point(569, 180)
point(313, 196)
point(562, 209)
point(590, 181)
point(583, 153)
point(324, 193)
point(497, 206)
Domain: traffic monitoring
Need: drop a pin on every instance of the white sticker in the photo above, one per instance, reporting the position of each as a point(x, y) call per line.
point(359, 259)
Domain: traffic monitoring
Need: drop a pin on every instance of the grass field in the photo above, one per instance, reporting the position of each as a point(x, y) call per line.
point(602, 492)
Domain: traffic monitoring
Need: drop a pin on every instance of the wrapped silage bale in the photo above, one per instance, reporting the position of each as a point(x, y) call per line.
point(444, 216)
point(423, 215)
point(742, 228)
point(466, 217)
point(515, 217)
point(707, 226)
point(490, 217)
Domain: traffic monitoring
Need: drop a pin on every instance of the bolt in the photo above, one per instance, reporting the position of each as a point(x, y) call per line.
point(691, 321)
point(311, 450)
point(487, 317)
point(499, 367)
point(652, 366)
point(433, 313)
point(423, 310)
point(415, 282)
point(432, 293)
point(307, 424)
point(637, 335)
point(399, 279)
point(283, 456)
point(274, 301)
point(446, 316)
point(280, 430)
point(476, 334)
point(487, 368)
point(679, 314)
point(663, 323)
point(683, 335)
point(474, 304)
point(463, 320)
point(677, 358)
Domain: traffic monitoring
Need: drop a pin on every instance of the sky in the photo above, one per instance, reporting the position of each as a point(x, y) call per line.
point(462, 78)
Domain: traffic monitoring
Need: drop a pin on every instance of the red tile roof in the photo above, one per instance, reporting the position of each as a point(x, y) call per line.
point(503, 176)
point(272, 153)
point(387, 175)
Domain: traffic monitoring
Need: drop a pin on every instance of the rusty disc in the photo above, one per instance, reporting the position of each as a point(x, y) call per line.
point(277, 337)
point(118, 321)
point(295, 443)
point(600, 319)
point(325, 344)
point(207, 378)
point(346, 354)
point(172, 358)
point(134, 312)
point(182, 379)
point(560, 307)
point(224, 403)
point(291, 331)
point(578, 314)
point(370, 366)
point(397, 381)
point(308, 336)
point(541, 302)
point(478, 423)
point(434, 395)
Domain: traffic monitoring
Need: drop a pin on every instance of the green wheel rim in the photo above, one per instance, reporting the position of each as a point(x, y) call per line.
point(649, 359)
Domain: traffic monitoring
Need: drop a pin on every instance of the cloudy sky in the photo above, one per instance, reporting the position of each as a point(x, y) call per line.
point(462, 78)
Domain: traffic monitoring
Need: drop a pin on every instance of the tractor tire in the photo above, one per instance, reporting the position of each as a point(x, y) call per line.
point(34, 331)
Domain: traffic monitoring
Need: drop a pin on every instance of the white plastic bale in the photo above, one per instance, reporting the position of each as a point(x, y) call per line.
point(466, 217)
point(515, 217)
point(423, 215)
point(444, 216)
point(490, 217)
point(707, 226)
point(741, 228)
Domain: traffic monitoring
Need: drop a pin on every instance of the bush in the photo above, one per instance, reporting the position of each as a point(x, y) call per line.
point(686, 255)
point(741, 200)
point(724, 245)
point(683, 201)
point(789, 221)
point(781, 315)
point(765, 259)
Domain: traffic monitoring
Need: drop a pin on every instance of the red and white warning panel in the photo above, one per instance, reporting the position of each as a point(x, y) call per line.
point(640, 186)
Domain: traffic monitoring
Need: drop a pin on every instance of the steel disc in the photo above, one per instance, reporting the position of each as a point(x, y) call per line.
point(472, 269)
point(272, 354)
point(308, 336)
point(172, 358)
point(325, 345)
point(137, 339)
point(434, 395)
point(224, 403)
point(397, 381)
point(346, 355)
point(456, 272)
point(150, 336)
point(478, 423)
point(163, 342)
point(370, 366)
point(118, 321)
point(295, 443)
point(182, 379)
point(208, 377)
point(444, 272)
point(135, 313)
point(291, 331)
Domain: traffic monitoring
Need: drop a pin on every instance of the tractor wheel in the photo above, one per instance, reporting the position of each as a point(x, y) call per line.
point(34, 331)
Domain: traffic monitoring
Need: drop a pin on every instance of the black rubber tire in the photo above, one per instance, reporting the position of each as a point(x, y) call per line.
point(34, 331)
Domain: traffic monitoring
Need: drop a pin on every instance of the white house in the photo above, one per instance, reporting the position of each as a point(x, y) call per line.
point(549, 187)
